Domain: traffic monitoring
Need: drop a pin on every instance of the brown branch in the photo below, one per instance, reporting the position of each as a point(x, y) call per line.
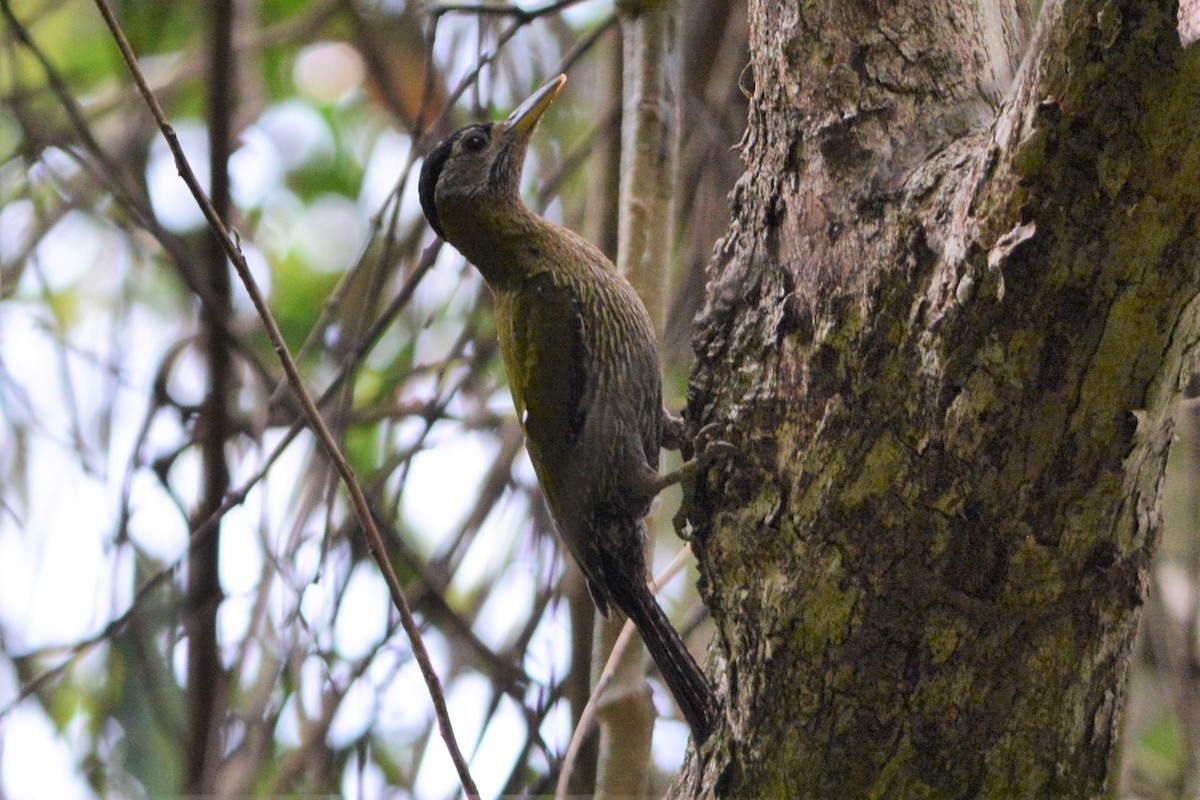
point(358, 500)
point(206, 690)
point(521, 15)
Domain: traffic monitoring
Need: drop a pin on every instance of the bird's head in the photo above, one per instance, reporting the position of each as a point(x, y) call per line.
point(480, 165)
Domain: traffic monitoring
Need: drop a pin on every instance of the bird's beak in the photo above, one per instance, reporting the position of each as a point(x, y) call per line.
point(524, 119)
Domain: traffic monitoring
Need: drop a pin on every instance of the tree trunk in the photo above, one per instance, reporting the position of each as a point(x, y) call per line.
point(945, 332)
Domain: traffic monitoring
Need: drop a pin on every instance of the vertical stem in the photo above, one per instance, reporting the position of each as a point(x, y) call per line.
point(205, 675)
point(649, 149)
point(649, 152)
point(625, 714)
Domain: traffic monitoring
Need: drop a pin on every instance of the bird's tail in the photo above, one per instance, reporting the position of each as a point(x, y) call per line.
point(682, 674)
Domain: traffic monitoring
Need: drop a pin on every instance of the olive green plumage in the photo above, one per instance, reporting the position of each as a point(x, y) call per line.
point(582, 363)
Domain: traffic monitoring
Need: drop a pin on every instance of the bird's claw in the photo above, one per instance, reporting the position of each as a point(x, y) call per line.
point(713, 452)
point(674, 431)
point(687, 476)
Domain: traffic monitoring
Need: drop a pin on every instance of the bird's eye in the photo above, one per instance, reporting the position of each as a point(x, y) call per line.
point(474, 142)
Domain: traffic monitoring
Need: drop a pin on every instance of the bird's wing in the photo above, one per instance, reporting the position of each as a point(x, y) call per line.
point(549, 375)
point(547, 371)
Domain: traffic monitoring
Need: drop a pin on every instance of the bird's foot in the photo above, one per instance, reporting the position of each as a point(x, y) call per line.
point(708, 452)
point(691, 469)
point(674, 431)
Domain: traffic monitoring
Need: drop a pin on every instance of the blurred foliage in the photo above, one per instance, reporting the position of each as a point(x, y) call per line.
point(102, 367)
point(1162, 747)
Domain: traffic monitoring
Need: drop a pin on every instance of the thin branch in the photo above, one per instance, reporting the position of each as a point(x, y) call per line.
point(206, 685)
point(317, 422)
point(521, 15)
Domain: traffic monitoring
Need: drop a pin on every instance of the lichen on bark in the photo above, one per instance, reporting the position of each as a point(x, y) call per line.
point(945, 331)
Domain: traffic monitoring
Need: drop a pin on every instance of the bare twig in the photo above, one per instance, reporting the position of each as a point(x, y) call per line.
point(521, 15)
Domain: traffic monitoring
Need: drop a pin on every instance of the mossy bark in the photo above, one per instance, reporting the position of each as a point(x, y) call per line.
point(946, 331)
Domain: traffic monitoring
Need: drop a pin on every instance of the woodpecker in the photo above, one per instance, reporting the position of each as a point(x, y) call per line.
point(581, 357)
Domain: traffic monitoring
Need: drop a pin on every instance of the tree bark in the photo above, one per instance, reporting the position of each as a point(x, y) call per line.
point(945, 331)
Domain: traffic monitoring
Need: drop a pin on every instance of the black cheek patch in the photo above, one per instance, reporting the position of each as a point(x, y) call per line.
point(431, 170)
